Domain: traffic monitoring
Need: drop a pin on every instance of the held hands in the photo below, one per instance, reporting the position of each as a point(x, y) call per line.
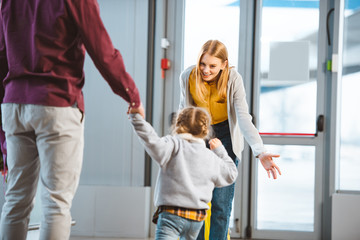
point(139, 110)
point(269, 164)
point(214, 143)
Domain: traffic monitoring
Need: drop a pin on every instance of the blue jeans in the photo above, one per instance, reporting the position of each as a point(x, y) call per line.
point(221, 203)
point(171, 227)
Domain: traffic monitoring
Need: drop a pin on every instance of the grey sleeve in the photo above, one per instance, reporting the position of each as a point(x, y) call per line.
point(246, 125)
point(159, 148)
point(227, 169)
point(182, 82)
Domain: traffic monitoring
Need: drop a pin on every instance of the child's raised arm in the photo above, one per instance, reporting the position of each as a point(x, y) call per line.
point(214, 143)
point(227, 170)
point(158, 148)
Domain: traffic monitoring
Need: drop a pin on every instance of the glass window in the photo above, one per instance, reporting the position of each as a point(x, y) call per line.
point(211, 19)
point(350, 99)
point(287, 203)
point(288, 66)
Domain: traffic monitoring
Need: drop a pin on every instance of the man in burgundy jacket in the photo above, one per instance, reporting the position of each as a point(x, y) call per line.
point(42, 51)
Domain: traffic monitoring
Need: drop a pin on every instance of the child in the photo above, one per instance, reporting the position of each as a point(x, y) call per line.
point(188, 171)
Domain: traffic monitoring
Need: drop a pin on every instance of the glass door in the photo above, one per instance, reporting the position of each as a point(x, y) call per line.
point(289, 108)
point(349, 143)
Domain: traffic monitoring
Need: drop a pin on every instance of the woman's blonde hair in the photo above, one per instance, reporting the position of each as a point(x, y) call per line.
point(216, 49)
point(193, 120)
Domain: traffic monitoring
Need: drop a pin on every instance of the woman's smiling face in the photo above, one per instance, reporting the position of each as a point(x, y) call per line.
point(210, 67)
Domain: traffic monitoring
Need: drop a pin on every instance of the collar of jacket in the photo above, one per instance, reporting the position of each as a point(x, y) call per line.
point(191, 138)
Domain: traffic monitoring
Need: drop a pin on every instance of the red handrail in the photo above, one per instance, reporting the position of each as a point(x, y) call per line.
point(286, 134)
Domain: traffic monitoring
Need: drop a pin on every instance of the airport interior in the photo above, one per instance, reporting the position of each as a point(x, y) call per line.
point(300, 64)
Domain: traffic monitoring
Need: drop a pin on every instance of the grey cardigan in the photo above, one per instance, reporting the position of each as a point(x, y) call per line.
point(240, 123)
point(188, 170)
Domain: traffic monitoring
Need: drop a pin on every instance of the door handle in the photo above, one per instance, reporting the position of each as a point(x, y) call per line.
point(320, 122)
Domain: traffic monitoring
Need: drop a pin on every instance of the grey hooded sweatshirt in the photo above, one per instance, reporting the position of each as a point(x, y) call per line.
point(188, 170)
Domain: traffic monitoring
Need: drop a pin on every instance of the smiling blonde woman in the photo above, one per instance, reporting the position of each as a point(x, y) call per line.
point(213, 85)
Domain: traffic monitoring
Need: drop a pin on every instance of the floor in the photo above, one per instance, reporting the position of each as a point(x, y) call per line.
point(34, 235)
point(89, 238)
point(82, 238)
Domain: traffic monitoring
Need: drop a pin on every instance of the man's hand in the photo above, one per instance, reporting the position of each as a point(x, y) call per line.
point(139, 110)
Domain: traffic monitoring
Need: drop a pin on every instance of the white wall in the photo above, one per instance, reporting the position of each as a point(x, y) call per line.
point(111, 200)
point(345, 219)
point(113, 155)
point(111, 212)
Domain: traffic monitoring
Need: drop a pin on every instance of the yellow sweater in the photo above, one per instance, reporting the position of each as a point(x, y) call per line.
point(217, 110)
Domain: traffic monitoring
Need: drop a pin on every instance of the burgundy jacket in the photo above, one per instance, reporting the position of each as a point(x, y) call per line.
point(42, 52)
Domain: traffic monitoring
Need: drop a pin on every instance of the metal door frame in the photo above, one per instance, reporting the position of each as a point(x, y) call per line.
point(249, 52)
point(317, 141)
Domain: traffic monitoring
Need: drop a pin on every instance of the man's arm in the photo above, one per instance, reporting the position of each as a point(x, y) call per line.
point(3, 60)
point(99, 46)
point(3, 72)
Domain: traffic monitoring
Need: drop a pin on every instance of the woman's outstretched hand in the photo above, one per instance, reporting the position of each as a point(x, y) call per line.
point(268, 163)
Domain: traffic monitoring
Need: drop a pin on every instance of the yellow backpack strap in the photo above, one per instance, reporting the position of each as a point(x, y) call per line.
point(207, 224)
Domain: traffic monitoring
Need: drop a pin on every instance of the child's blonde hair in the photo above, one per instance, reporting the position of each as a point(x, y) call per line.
point(193, 120)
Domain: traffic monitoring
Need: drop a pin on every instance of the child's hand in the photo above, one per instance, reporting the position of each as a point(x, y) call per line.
point(214, 143)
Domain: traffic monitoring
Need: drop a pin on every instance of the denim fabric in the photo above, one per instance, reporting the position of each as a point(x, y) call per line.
point(171, 227)
point(221, 203)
